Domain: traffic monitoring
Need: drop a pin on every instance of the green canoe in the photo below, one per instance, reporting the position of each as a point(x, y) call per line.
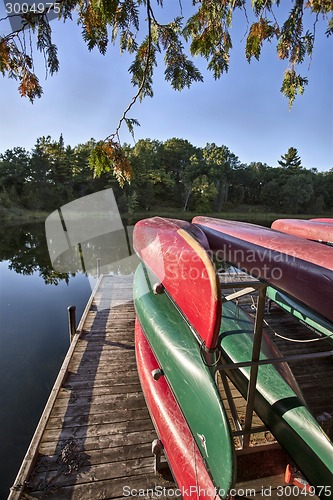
point(179, 355)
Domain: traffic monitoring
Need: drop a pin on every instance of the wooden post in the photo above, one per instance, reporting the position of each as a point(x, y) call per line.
point(98, 267)
point(71, 322)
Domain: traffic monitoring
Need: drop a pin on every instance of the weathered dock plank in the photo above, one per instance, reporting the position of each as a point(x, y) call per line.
point(94, 437)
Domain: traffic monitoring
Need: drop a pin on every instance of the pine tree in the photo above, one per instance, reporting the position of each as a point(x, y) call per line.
point(291, 160)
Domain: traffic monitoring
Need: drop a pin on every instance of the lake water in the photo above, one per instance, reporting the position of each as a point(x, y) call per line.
point(33, 336)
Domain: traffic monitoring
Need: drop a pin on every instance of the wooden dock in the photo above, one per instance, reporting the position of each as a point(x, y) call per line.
point(94, 437)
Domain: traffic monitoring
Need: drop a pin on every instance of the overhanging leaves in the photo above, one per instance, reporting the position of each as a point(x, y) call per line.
point(180, 70)
point(4, 56)
point(329, 30)
point(131, 123)
point(110, 157)
point(292, 85)
point(208, 31)
point(142, 68)
point(259, 32)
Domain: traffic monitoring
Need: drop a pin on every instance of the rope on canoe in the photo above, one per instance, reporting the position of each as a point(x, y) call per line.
point(303, 341)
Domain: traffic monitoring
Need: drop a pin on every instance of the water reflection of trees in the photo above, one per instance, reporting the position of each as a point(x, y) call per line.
point(25, 249)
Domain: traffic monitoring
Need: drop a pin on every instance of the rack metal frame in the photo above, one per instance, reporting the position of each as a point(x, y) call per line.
point(244, 432)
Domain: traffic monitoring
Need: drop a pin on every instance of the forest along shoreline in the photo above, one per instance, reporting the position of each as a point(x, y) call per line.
point(172, 177)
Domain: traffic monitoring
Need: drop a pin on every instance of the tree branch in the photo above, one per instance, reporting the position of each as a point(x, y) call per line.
point(137, 95)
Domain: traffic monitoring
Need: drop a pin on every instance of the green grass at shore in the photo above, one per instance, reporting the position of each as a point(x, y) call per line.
point(254, 214)
point(16, 215)
point(258, 215)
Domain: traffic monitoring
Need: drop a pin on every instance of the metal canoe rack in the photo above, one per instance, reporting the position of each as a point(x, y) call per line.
point(244, 432)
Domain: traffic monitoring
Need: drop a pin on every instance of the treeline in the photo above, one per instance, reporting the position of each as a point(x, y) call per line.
point(166, 174)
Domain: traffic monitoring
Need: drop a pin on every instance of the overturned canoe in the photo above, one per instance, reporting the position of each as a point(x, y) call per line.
point(176, 252)
point(315, 230)
point(170, 424)
point(301, 268)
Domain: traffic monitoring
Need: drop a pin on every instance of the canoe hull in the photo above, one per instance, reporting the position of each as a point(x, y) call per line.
point(309, 229)
point(303, 269)
point(176, 252)
point(179, 352)
point(180, 448)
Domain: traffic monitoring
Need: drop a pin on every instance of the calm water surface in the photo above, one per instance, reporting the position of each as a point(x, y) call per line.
point(33, 337)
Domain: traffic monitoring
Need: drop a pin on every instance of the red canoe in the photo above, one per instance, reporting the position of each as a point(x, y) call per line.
point(328, 220)
point(301, 268)
point(176, 253)
point(316, 230)
point(180, 447)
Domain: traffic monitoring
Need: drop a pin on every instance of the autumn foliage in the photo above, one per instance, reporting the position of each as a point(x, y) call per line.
point(110, 156)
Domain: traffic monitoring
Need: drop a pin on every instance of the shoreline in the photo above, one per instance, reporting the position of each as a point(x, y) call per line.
point(13, 216)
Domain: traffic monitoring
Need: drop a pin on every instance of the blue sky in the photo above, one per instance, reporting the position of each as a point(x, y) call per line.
point(243, 110)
